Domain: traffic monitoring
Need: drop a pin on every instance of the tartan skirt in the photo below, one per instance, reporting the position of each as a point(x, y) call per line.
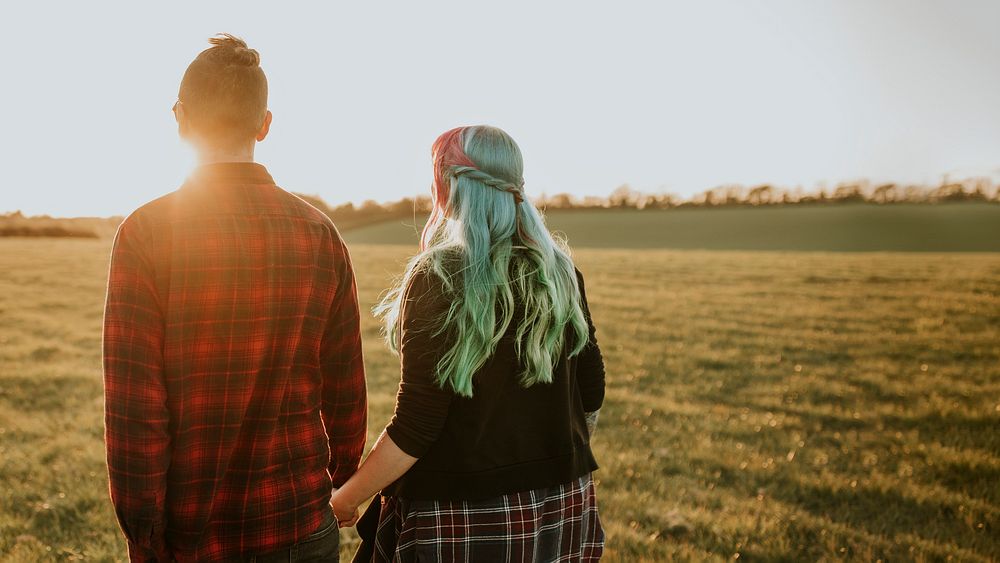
point(554, 524)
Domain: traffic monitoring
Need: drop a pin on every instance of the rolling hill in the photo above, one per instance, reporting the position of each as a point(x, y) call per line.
point(947, 227)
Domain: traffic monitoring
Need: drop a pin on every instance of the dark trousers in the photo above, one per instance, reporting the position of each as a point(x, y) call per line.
point(321, 547)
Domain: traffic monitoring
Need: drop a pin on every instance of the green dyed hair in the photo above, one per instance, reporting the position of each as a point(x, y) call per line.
point(490, 249)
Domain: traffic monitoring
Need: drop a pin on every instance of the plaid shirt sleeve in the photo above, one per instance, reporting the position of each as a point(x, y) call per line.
point(345, 401)
point(136, 416)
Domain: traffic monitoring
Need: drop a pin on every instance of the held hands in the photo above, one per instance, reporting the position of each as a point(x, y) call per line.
point(384, 464)
point(347, 512)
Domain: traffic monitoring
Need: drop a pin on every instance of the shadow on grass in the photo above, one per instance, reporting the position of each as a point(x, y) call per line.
point(889, 513)
point(48, 393)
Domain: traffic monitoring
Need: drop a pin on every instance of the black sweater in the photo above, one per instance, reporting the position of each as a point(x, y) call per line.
point(505, 438)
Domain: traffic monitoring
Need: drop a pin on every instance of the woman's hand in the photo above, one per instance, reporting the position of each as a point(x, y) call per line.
point(384, 464)
point(347, 512)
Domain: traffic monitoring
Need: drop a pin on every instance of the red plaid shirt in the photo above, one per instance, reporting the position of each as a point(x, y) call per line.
point(234, 385)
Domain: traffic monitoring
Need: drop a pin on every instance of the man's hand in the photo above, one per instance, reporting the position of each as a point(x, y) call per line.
point(347, 513)
point(384, 464)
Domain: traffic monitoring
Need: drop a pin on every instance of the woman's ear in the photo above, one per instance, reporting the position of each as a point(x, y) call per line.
point(265, 128)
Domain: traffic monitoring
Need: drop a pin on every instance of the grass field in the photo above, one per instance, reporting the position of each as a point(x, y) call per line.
point(760, 406)
point(844, 228)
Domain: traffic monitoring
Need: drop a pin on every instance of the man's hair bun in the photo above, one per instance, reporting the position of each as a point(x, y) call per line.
point(229, 49)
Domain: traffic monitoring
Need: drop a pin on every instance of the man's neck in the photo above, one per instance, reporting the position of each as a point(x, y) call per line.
point(215, 155)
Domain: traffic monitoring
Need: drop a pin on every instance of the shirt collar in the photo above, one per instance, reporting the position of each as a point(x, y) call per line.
point(230, 173)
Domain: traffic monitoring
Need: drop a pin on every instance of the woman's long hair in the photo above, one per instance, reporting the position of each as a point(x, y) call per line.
point(490, 249)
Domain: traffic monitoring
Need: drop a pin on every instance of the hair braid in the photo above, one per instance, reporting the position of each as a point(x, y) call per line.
point(517, 190)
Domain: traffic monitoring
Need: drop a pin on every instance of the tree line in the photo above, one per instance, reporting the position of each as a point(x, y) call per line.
point(349, 215)
point(973, 189)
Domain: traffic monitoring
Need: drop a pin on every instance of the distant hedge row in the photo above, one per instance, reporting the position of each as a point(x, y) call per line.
point(45, 231)
point(348, 216)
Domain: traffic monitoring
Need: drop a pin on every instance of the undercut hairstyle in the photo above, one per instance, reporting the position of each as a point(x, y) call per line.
point(224, 91)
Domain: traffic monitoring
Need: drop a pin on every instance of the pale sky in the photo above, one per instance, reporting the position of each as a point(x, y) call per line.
point(664, 96)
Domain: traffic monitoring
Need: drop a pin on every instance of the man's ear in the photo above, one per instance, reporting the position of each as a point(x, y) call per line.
point(181, 117)
point(264, 129)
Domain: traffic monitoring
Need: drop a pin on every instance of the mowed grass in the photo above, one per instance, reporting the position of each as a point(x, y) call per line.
point(946, 227)
point(760, 405)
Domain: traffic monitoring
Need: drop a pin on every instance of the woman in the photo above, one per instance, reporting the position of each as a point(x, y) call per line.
point(487, 456)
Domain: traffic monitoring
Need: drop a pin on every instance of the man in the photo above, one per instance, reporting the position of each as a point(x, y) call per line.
point(234, 386)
